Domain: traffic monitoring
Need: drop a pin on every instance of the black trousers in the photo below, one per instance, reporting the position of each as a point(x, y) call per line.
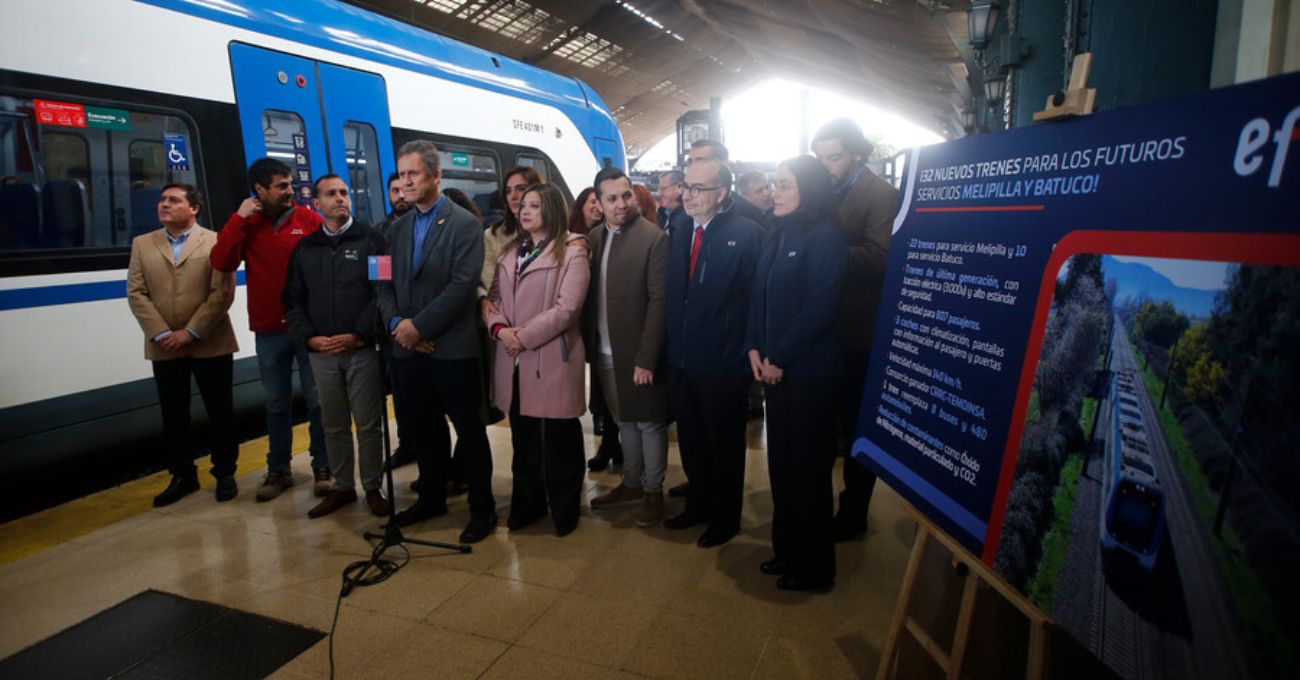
point(859, 481)
point(548, 466)
point(711, 429)
point(600, 412)
point(431, 391)
point(214, 377)
point(800, 460)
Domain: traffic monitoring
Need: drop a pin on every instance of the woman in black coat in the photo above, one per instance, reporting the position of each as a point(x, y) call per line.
point(795, 352)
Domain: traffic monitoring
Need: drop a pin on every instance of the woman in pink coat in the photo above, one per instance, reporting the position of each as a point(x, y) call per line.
point(539, 287)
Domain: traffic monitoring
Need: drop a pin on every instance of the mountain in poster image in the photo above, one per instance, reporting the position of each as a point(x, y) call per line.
point(1135, 279)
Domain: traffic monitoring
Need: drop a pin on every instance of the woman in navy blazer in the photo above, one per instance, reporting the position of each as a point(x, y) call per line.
point(794, 351)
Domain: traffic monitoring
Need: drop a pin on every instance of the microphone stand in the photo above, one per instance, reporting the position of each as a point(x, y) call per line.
point(392, 535)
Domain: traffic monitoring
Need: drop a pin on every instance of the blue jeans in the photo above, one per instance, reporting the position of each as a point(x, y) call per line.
point(276, 353)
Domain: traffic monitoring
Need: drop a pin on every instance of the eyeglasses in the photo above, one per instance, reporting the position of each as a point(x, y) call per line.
point(695, 189)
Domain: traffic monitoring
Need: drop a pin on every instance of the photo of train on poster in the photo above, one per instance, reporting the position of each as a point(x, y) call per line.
point(1149, 513)
point(1090, 374)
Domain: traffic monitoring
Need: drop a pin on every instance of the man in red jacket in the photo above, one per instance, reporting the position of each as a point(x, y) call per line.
point(262, 234)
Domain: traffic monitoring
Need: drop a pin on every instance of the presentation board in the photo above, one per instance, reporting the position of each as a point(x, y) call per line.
point(1085, 370)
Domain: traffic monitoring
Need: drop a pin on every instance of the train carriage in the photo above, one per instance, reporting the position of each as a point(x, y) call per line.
point(102, 102)
point(1132, 521)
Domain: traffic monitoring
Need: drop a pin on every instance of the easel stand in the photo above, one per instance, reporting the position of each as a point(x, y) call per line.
point(1076, 100)
point(974, 573)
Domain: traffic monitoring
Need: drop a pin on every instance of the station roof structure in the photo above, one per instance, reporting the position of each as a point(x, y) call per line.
point(652, 60)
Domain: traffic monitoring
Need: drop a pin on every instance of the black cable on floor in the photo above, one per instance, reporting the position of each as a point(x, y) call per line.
point(354, 575)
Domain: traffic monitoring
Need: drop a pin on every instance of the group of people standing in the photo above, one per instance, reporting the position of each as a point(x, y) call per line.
point(679, 312)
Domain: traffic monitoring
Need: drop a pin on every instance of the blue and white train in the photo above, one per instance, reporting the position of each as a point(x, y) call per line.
point(102, 102)
point(1132, 501)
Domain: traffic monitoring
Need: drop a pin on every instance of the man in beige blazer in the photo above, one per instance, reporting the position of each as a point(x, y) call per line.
point(181, 303)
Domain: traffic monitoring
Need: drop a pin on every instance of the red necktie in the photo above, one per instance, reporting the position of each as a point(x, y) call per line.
point(695, 249)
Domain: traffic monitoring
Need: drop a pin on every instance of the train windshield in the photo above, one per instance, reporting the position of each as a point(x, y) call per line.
point(1135, 515)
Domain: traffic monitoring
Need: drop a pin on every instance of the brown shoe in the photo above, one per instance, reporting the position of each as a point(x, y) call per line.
point(681, 490)
point(324, 482)
point(377, 503)
point(334, 500)
point(275, 483)
point(619, 495)
point(651, 511)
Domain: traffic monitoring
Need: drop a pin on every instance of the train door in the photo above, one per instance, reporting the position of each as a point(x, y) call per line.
point(318, 118)
point(360, 139)
point(280, 113)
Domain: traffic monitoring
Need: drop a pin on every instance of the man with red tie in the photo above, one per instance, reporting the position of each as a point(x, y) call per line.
point(710, 274)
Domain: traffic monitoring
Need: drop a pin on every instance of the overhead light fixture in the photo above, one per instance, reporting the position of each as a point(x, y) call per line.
point(968, 119)
point(995, 86)
point(983, 17)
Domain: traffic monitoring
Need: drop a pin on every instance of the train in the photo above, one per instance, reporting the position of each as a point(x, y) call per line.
point(102, 102)
point(1132, 514)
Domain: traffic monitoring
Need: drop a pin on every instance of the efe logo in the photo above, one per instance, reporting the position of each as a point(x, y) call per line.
point(1255, 135)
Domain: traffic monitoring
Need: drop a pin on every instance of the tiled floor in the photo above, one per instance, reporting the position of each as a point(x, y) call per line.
point(608, 601)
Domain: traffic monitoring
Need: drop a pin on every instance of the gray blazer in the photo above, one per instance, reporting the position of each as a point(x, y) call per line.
point(439, 295)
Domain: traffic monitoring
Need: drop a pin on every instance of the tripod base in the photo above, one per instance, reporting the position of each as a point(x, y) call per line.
point(393, 536)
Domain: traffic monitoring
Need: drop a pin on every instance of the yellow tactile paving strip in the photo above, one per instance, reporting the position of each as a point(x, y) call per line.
point(32, 534)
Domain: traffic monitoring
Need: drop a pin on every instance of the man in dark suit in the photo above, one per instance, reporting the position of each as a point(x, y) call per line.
point(670, 197)
point(710, 274)
point(430, 311)
point(867, 206)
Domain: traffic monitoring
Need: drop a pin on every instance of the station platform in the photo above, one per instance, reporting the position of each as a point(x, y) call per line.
point(609, 601)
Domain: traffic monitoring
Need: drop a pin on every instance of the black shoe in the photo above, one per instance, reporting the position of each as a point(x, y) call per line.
point(455, 488)
point(680, 491)
point(227, 489)
point(562, 531)
point(598, 464)
point(844, 529)
point(402, 456)
point(683, 520)
point(519, 519)
point(479, 528)
point(420, 511)
point(791, 582)
point(610, 449)
point(773, 567)
point(179, 488)
point(713, 538)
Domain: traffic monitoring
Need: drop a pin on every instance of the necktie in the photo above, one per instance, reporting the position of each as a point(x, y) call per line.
point(695, 249)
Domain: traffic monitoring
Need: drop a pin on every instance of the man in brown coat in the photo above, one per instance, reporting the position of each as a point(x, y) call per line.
point(867, 205)
point(623, 322)
point(181, 303)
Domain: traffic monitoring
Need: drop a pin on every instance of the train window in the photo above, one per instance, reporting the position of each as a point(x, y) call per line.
point(76, 175)
point(278, 130)
point(536, 162)
point(148, 162)
point(473, 172)
point(365, 177)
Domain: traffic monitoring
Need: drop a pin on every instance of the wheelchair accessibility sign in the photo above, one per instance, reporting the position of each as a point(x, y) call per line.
point(178, 155)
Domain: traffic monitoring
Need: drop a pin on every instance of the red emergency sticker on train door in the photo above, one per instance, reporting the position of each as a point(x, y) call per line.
point(66, 114)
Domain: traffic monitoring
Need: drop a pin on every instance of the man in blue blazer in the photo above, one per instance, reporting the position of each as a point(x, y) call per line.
point(430, 310)
point(710, 274)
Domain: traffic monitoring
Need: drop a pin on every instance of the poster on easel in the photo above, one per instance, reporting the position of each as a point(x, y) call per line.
point(1086, 370)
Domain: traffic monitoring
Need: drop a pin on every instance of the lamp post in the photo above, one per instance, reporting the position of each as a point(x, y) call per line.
point(983, 22)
